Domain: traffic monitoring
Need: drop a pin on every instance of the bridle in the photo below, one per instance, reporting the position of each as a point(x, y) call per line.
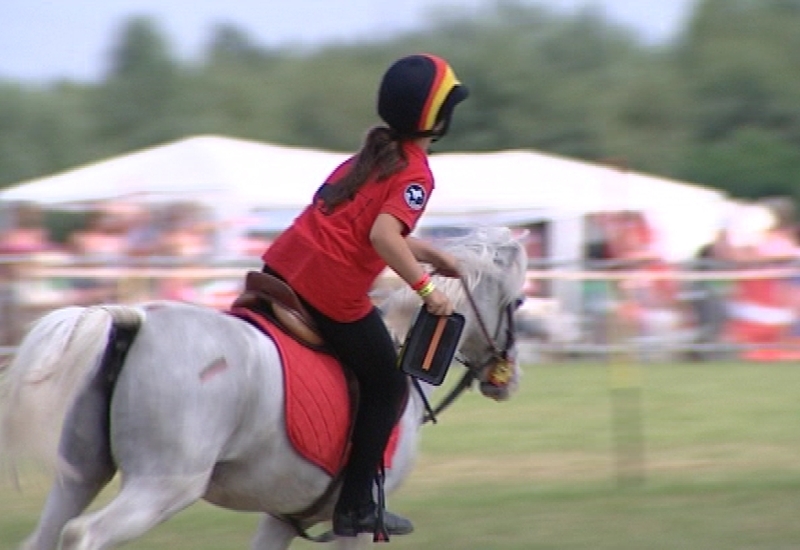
point(497, 356)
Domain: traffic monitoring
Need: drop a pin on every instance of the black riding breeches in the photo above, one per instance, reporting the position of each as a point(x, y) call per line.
point(367, 349)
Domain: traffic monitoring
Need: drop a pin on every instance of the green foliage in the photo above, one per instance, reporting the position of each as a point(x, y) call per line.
point(719, 106)
point(752, 163)
point(41, 131)
point(740, 61)
point(139, 102)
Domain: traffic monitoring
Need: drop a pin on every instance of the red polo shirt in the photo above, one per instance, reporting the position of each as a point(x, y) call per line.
point(328, 258)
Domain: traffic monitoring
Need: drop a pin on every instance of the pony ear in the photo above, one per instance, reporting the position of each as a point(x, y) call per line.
point(512, 261)
point(520, 234)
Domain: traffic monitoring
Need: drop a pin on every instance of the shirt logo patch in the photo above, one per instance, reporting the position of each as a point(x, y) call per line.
point(415, 196)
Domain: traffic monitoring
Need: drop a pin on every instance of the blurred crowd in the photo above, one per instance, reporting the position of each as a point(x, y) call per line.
point(95, 246)
point(738, 297)
point(109, 231)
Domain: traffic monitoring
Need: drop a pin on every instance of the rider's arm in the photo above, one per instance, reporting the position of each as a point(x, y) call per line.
point(425, 252)
point(387, 238)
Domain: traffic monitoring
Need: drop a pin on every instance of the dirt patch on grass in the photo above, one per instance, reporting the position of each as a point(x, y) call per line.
point(519, 469)
point(689, 464)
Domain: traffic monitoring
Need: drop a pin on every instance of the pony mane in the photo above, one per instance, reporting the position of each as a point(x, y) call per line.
point(482, 252)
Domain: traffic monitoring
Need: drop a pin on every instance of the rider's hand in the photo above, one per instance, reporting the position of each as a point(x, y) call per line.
point(438, 303)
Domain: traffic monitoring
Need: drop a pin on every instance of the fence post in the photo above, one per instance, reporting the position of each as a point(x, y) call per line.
point(625, 388)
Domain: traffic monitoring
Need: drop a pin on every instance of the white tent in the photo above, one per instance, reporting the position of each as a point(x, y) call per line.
point(512, 186)
point(204, 168)
point(508, 187)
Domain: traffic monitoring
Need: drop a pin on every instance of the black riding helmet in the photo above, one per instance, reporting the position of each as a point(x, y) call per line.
point(416, 93)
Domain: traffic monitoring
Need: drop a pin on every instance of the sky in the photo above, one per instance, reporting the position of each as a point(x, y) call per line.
point(46, 40)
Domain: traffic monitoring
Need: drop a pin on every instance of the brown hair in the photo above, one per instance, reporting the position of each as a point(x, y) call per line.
point(380, 157)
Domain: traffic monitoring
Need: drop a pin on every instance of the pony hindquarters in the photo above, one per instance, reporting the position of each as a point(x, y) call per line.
point(195, 413)
point(50, 382)
point(52, 363)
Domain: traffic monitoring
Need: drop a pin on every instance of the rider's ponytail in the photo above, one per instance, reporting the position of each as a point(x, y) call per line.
point(380, 157)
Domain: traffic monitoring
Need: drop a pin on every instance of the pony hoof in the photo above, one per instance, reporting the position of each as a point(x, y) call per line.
point(75, 537)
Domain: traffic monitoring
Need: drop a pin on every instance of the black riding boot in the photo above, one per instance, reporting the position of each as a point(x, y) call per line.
point(349, 523)
point(371, 518)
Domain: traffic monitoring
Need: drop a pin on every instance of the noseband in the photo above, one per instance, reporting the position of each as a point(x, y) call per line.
point(496, 353)
point(499, 357)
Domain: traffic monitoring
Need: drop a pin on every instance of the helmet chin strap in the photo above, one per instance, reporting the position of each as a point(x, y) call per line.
point(435, 133)
point(440, 130)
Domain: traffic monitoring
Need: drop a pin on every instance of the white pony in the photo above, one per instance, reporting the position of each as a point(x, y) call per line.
point(194, 407)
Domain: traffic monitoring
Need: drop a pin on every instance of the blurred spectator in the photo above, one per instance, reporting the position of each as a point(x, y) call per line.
point(762, 235)
point(143, 234)
point(23, 241)
point(104, 238)
point(706, 299)
point(187, 237)
point(598, 295)
point(25, 232)
point(650, 308)
point(101, 242)
point(188, 231)
point(534, 238)
point(252, 243)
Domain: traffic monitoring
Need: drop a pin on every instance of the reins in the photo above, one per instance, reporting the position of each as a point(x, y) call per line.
point(455, 393)
point(492, 344)
point(471, 373)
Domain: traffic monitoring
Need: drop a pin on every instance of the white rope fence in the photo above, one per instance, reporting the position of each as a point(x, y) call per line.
point(123, 279)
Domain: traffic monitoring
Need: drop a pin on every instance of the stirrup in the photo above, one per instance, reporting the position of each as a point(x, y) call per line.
point(374, 518)
point(355, 522)
point(381, 534)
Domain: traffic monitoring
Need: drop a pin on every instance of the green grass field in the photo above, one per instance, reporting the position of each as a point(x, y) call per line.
point(559, 467)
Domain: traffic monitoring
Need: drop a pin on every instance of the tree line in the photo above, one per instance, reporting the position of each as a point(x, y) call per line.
point(719, 105)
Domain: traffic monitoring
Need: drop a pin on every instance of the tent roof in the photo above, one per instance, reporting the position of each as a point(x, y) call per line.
point(506, 187)
point(266, 175)
point(513, 180)
point(206, 168)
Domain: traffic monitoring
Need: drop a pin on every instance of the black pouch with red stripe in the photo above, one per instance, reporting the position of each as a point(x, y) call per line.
point(430, 346)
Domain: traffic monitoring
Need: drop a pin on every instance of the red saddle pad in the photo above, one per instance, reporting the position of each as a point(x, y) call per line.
point(317, 402)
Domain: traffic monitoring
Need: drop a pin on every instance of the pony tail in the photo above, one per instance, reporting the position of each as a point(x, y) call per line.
point(380, 157)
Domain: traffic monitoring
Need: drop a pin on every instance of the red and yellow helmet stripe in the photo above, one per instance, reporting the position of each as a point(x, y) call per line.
point(444, 81)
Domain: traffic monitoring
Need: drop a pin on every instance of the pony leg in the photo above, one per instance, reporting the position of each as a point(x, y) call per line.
point(272, 534)
point(85, 467)
point(142, 504)
point(67, 499)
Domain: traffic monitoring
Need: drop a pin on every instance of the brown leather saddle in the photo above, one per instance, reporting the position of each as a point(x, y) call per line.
point(268, 295)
